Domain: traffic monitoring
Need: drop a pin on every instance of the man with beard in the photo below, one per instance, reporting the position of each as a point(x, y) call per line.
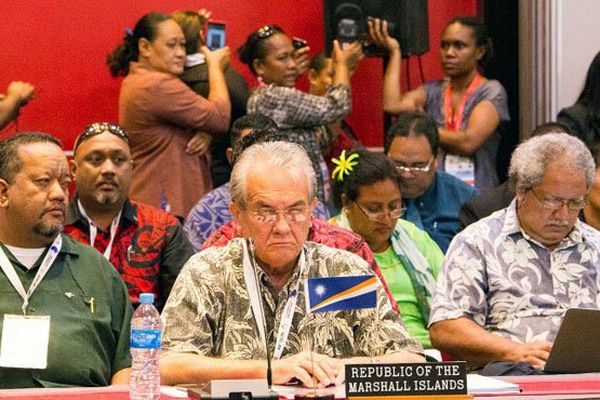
point(70, 327)
point(146, 245)
point(508, 279)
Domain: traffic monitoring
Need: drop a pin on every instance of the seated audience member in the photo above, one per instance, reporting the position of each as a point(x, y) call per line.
point(583, 117)
point(146, 245)
point(271, 57)
point(212, 211)
point(75, 301)
point(320, 75)
point(206, 323)
point(432, 198)
point(195, 74)
point(166, 120)
point(508, 278)
point(482, 205)
point(369, 195)
point(469, 109)
point(17, 95)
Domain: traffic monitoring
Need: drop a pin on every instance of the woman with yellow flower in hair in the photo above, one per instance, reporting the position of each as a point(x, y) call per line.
point(366, 188)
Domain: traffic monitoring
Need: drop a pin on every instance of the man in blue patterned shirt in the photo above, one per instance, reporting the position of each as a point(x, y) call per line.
point(509, 278)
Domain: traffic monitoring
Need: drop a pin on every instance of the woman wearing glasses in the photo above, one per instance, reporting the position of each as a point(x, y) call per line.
point(163, 115)
point(302, 117)
point(467, 107)
point(366, 186)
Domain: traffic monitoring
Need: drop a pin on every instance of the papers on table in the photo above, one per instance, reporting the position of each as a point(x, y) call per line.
point(478, 384)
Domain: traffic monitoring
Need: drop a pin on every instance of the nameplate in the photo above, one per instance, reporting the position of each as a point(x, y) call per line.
point(423, 379)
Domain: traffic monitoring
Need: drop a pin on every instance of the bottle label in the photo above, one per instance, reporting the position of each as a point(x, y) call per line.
point(145, 339)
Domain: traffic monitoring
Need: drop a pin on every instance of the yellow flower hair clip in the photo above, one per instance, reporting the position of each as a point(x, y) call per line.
point(344, 165)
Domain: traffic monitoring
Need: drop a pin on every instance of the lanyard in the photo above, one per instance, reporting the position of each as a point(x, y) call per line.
point(11, 274)
point(255, 298)
point(454, 121)
point(114, 225)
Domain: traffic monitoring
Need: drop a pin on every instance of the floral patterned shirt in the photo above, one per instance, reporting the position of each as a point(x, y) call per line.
point(209, 310)
point(506, 282)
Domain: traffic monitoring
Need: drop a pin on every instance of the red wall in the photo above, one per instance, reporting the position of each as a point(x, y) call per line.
point(61, 46)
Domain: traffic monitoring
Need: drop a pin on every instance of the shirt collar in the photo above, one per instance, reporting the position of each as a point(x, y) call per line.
point(194, 59)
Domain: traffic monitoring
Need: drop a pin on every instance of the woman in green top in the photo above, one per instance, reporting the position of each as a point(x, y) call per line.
point(367, 190)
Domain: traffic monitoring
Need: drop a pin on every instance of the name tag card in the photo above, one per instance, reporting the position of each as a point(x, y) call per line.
point(447, 379)
point(25, 341)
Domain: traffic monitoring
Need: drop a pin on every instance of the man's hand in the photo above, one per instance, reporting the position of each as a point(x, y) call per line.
point(218, 57)
point(319, 372)
point(199, 144)
point(350, 55)
point(534, 353)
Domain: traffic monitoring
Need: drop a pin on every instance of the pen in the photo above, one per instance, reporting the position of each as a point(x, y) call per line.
point(92, 304)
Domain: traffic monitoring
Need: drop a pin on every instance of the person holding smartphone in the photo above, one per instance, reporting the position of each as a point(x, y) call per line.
point(163, 115)
point(272, 58)
point(195, 75)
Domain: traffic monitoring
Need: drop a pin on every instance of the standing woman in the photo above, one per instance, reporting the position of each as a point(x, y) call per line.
point(164, 116)
point(302, 117)
point(467, 107)
point(367, 189)
point(583, 117)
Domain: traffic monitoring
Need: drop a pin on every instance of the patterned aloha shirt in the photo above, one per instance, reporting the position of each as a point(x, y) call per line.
point(498, 276)
point(209, 310)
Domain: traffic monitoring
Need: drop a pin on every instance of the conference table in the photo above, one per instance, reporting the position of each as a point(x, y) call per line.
point(542, 387)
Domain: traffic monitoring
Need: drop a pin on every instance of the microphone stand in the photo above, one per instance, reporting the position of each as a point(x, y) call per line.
point(250, 244)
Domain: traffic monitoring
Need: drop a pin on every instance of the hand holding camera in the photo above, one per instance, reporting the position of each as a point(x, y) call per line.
point(220, 57)
point(301, 50)
point(379, 35)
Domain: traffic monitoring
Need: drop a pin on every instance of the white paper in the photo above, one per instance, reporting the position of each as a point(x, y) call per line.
point(478, 384)
point(25, 341)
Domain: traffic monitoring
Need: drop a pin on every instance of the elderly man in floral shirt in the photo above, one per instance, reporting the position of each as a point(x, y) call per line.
point(509, 278)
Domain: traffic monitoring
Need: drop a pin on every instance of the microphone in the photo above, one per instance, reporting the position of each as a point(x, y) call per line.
point(250, 243)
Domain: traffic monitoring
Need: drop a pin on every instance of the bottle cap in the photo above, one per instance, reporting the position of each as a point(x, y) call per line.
point(147, 298)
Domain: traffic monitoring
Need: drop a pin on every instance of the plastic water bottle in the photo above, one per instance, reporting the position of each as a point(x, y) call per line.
point(145, 350)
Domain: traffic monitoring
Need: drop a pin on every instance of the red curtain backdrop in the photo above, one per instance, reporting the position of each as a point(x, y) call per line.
point(61, 46)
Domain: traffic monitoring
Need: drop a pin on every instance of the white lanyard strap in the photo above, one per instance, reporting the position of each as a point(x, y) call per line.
point(11, 274)
point(255, 299)
point(114, 225)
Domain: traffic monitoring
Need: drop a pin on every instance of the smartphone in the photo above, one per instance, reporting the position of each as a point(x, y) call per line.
point(298, 43)
point(215, 34)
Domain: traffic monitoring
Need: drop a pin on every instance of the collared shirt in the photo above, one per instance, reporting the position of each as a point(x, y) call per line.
point(319, 232)
point(511, 285)
point(212, 212)
point(149, 248)
point(209, 310)
point(300, 116)
point(85, 348)
point(436, 210)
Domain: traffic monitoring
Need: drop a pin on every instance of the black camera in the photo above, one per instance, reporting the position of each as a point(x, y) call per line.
point(352, 26)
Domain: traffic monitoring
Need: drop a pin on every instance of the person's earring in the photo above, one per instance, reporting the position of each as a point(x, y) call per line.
point(259, 78)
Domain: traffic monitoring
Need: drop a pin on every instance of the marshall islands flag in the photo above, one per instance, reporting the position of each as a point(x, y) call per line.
point(341, 293)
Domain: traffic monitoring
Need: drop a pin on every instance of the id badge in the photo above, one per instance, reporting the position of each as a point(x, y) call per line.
point(461, 167)
point(25, 341)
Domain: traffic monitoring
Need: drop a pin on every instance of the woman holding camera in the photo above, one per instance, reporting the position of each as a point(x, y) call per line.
point(302, 117)
point(163, 115)
point(467, 107)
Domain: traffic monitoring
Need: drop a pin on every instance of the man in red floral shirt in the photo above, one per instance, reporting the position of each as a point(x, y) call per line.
point(146, 245)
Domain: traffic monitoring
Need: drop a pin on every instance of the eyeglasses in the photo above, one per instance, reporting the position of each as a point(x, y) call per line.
point(266, 31)
point(98, 128)
point(414, 168)
point(268, 216)
point(556, 203)
point(394, 213)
